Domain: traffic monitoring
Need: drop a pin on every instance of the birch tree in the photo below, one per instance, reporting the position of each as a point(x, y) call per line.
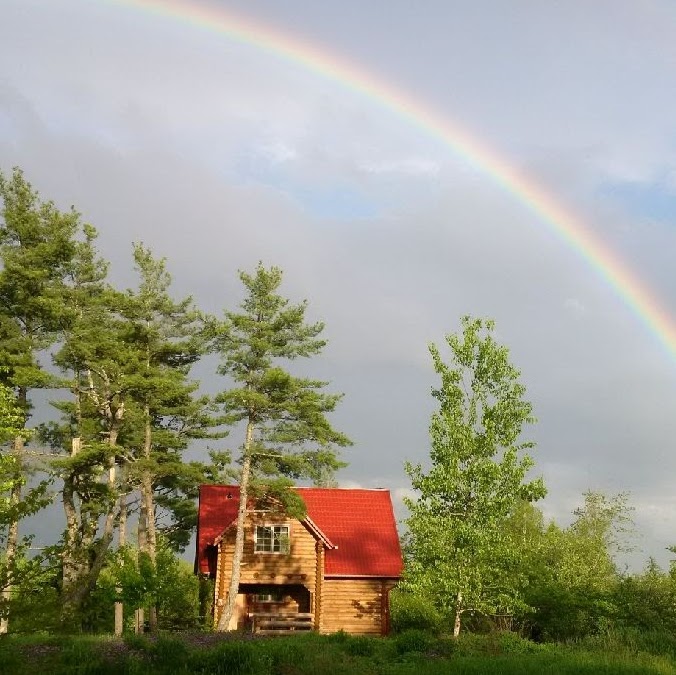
point(287, 435)
point(478, 474)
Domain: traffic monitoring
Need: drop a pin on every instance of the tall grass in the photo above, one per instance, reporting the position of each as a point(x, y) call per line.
point(409, 653)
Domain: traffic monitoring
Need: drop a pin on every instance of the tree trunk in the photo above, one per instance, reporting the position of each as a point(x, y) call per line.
point(71, 566)
point(139, 621)
point(12, 545)
point(86, 583)
point(228, 610)
point(458, 614)
point(149, 511)
point(142, 538)
point(122, 541)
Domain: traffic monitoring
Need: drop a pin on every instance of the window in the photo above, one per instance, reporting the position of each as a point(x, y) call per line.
point(272, 539)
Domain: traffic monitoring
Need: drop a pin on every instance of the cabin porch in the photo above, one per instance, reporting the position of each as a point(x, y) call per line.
point(272, 608)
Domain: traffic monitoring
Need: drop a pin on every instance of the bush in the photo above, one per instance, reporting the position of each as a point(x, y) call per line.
point(414, 640)
point(361, 645)
point(409, 611)
point(497, 643)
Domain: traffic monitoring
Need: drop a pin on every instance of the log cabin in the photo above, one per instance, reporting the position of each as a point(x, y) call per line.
point(330, 571)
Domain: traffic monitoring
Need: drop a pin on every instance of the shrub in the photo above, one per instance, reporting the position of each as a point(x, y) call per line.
point(361, 645)
point(414, 640)
point(512, 643)
point(409, 611)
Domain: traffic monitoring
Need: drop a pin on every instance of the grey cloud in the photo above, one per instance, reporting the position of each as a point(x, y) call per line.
point(144, 126)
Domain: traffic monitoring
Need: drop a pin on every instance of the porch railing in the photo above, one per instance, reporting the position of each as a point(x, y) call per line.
point(281, 624)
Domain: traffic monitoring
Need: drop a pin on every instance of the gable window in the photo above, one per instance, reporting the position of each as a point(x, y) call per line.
point(272, 539)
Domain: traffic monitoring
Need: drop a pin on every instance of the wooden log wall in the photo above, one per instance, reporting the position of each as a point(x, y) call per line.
point(352, 605)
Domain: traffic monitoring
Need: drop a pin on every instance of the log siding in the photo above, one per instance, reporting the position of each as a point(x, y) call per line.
point(352, 605)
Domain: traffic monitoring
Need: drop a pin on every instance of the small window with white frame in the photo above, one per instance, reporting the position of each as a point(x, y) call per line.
point(272, 539)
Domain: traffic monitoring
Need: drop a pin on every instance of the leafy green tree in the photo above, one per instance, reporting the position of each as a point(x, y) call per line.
point(169, 583)
point(37, 243)
point(286, 432)
point(479, 468)
point(573, 588)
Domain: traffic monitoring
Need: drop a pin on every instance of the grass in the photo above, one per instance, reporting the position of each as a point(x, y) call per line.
point(411, 653)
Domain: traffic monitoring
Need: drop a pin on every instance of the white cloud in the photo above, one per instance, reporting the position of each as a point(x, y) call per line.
point(277, 152)
point(413, 166)
point(575, 307)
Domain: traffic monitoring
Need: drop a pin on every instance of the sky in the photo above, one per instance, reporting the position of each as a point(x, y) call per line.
point(218, 150)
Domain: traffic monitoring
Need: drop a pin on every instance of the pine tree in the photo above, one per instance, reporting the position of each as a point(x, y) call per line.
point(36, 246)
point(96, 361)
point(167, 339)
point(286, 432)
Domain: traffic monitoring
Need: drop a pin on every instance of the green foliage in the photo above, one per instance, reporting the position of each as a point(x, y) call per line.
point(169, 655)
point(287, 435)
point(37, 244)
point(457, 547)
point(168, 584)
point(293, 437)
point(572, 583)
point(178, 601)
point(12, 418)
point(34, 603)
point(413, 640)
point(411, 611)
point(647, 601)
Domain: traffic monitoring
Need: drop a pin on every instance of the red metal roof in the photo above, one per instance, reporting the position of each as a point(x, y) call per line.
point(359, 523)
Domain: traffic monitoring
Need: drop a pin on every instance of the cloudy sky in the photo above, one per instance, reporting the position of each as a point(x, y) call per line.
point(219, 151)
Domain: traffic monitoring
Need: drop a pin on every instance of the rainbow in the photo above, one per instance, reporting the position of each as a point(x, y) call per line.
point(635, 294)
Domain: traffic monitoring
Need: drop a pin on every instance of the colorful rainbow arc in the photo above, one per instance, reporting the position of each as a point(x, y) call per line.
point(570, 229)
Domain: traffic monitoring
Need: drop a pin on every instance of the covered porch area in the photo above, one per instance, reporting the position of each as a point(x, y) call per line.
point(273, 608)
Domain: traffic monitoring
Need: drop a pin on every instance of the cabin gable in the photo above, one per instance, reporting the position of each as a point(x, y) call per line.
point(297, 563)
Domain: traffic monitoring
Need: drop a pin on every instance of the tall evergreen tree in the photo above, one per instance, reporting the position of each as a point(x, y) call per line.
point(36, 247)
point(167, 338)
point(286, 432)
point(96, 361)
